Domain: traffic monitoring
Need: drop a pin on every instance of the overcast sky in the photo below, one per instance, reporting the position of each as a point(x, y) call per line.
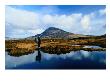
point(23, 21)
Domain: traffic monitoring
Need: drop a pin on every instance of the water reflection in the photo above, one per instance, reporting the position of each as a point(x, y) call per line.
point(92, 46)
point(38, 57)
point(73, 59)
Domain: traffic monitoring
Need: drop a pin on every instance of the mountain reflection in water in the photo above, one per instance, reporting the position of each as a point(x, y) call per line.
point(73, 60)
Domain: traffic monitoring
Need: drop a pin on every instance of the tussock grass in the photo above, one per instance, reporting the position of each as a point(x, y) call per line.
point(54, 46)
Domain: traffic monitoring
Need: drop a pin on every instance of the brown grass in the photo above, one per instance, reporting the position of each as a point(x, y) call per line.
point(16, 47)
point(20, 47)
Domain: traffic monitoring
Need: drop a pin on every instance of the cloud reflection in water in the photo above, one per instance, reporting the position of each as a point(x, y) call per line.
point(11, 61)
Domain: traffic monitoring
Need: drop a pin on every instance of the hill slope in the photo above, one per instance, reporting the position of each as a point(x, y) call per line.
point(53, 32)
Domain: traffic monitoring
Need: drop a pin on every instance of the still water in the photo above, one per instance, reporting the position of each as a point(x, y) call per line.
point(73, 60)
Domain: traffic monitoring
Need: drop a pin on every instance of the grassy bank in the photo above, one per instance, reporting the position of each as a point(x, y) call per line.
point(54, 46)
point(20, 47)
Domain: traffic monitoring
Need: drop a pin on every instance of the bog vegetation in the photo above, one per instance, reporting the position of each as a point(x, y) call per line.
point(55, 46)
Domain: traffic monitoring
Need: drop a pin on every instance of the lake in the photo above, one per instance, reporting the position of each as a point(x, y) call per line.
point(73, 60)
point(91, 47)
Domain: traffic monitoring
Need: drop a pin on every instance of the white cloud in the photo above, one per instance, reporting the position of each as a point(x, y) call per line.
point(21, 18)
point(65, 22)
point(37, 31)
point(26, 23)
point(47, 19)
point(85, 22)
point(102, 11)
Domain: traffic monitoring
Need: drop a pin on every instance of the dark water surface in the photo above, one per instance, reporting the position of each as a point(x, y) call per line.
point(73, 60)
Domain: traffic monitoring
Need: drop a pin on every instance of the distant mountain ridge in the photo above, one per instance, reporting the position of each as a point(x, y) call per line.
point(53, 32)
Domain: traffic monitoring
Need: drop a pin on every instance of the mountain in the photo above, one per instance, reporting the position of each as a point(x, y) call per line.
point(53, 32)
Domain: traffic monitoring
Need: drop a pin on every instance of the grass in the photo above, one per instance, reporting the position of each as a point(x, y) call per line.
point(20, 47)
point(53, 46)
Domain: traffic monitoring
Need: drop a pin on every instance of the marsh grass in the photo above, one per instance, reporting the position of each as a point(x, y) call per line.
point(20, 47)
point(54, 46)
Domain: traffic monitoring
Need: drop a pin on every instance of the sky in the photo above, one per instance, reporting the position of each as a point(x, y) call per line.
point(28, 20)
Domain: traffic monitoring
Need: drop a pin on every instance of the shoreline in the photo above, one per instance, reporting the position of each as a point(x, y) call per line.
point(21, 47)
